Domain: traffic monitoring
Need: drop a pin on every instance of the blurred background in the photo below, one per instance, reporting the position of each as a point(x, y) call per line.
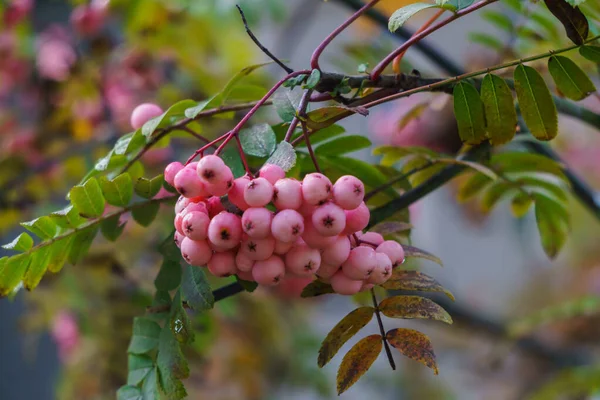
point(71, 72)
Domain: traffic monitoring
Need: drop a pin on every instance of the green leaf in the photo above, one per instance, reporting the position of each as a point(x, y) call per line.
point(569, 78)
point(499, 109)
point(169, 276)
point(194, 111)
point(67, 217)
point(573, 20)
point(112, 228)
point(37, 268)
point(150, 386)
point(195, 289)
point(225, 93)
point(179, 321)
point(468, 109)
point(119, 191)
point(316, 288)
point(552, 225)
point(400, 16)
point(139, 367)
point(145, 336)
point(487, 40)
point(146, 213)
point(414, 345)
point(313, 79)
point(499, 19)
point(536, 103)
point(284, 156)
point(23, 242)
point(410, 307)
point(455, 5)
point(129, 143)
point(342, 332)
point(472, 186)
point(82, 242)
point(411, 251)
point(259, 140)
point(43, 227)
point(88, 199)
point(60, 252)
point(176, 110)
point(12, 271)
point(247, 285)
point(414, 281)
point(496, 192)
point(172, 365)
point(232, 159)
point(129, 393)
point(286, 102)
point(358, 361)
point(520, 162)
point(343, 145)
point(592, 53)
point(389, 227)
point(148, 188)
point(521, 204)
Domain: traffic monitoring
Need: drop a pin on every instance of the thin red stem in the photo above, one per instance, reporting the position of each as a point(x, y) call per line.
point(379, 68)
point(314, 60)
point(203, 148)
point(300, 112)
point(243, 156)
point(309, 147)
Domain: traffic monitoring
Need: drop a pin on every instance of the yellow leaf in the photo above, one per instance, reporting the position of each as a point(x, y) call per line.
point(358, 361)
point(414, 345)
point(410, 307)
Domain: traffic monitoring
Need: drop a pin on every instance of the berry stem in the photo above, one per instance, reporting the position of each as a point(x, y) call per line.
point(243, 156)
point(314, 60)
point(194, 134)
point(309, 147)
point(300, 112)
point(382, 330)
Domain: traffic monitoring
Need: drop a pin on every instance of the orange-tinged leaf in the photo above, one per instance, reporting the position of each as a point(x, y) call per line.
point(342, 332)
point(410, 307)
point(410, 251)
point(358, 361)
point(413, 280)
point(414, 345)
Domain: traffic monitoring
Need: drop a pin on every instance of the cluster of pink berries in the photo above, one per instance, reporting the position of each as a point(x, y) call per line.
point(277, 226)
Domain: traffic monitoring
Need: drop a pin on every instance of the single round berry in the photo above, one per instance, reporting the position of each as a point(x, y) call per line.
point(287, 226)
point(371, 238)
point(178, 223)
point(282, 247)
point(222, 264)
point(360, 263)
point(306, 210)
point(188, 184)
point(236, 194)
point(272, 173)
point(393, 250)
point(329, 219)
point(326, 271)
point(214, 206)
point(357, 219)
point(313, 237)
point(177, 238)
point(191, 207)
point(182, 202)
point(171, 170)
point(225, 230)
point(258, 192)
point(197, 253)
point(302, 260)
point(287, 194)
point(338, 252)
point(316, 188)
point(223, 185)
point(212, 169)
point(258, 249)
point(256, 222)
point(143, 113)
point(245, 276)
point(243, 262)
point(269, 272)
point(344, 285)
point(348, 192)
point(383, 270)
point(195, 225)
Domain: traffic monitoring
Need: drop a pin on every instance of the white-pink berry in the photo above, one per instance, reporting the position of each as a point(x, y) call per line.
point(313, 237)
point(344, 285)
point(177, 238)
point(258, 249)
point(195, 225)
point(338, 252)
point(393, 250)
point(256, 222)
point(214, 206)
point(182, 203)
point(236, 194)
point(243, 262)
point(272, 173)
point(282, 247)
point(211, 169)
point(287, 194)
point(382, 271)
point(188, 184)
point(222, 186)
point(269, 272)
point(357, 219)
point(225, 230)
point(360, 263)
point(143, 113)
point(348, 192)
point(245, 276)
point(316, 188)
point(326, 271)
point(371, 238)
point(197, 253)
point(329, 219)
point(302, 260)
point(258, 192)
point(222, 264)
point(192, 206)
point(178, 223)
point(287, 226)
point(171, 170)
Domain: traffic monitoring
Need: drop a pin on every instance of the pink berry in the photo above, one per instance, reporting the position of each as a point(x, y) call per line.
point(197, 253)
point(258, 249)
point(326, 271)
point(283, 247)
point(348, 192)
point(287, 194)
point(182, 202)
point(329, 219)
point(357, 219)
point(225, 230)
point(256, 222)
point(383, 270)
point(371, 238)
point(214, 206)
point(338, 252)
point(245, 276)
point(258, 192)
point(287, 226)
point(236, 194)
point(195, 225)
point(87, 19)
point(272, 173)
point(307, 209)
point(223, 185)
point(242, 262)
point(360, 263)
point(313, 238)
point(171, 170)
point(143, 113)
point(269, 272)
point(192, 206)
point(222, 264)
point(212, 169)
point(178, 223)
point(302, 260)
point(178, 238)
point(344, 285)
point(316, 188)
point(393, 250)
point(188, 184)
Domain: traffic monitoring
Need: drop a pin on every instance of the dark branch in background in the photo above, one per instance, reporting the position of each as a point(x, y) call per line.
point(259, 44)
point(330, 81)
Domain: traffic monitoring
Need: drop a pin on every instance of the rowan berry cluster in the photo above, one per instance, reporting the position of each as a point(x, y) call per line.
point(270, 226)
